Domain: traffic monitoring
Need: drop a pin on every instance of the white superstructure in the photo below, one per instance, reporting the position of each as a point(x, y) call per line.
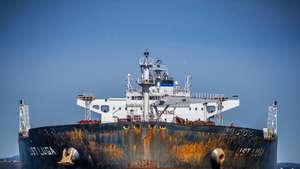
point(160, 98)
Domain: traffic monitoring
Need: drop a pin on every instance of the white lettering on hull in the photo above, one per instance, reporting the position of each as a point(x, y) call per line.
point(42, 151)
point(253, 152)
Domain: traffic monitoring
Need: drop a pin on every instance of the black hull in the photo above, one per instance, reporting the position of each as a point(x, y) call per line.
point(146, 145)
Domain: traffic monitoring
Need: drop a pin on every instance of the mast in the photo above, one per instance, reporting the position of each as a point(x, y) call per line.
point(187, 86)
point(129, 87)
point(146, 81)
point(271, 131)
point(272, 118)
point(24, 124)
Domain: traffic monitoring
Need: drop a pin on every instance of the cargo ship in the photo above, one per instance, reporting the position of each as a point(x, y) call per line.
point(157, 125)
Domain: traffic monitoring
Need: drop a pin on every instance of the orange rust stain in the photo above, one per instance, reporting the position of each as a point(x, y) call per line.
point(147, 141)
point(78, 137)
point(138, 130)
point(93, 146)
point(189, 152)
point(162, 134)
point(113, 151)
point(75, 136)
point(134, 148)
point(193, 151)
point(144, 164)
point(149, 136)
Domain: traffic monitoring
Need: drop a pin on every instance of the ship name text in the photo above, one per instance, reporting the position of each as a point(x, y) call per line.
point(253, 152)
point(42, 151)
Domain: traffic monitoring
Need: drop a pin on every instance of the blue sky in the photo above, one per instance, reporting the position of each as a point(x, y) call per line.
point(51, 51)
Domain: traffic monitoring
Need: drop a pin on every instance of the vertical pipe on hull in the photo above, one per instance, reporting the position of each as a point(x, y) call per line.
point(146, 103)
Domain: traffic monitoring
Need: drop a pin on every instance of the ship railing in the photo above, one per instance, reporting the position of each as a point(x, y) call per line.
point(180, 91)
point(207, 96)
point(134, 104)
point(213, 96)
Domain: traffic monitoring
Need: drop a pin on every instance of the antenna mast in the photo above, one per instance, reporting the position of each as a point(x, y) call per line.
point(24, 124)
point(187, 86)
point(146, 81)
point(272, 118)
point(129, 85)
point(271, 131)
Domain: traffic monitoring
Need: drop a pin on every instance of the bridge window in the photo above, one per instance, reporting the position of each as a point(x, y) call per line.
point(211, 109)
point(96, 107)
point(105, 108)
